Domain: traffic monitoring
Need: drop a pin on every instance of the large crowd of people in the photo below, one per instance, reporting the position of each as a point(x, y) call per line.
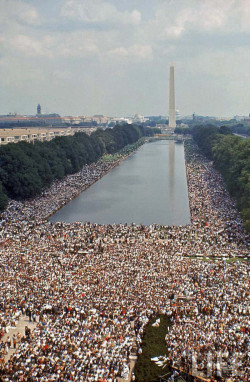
point(93, 288)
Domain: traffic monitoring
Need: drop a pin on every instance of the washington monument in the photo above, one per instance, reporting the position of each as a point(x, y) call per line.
point(172, 122)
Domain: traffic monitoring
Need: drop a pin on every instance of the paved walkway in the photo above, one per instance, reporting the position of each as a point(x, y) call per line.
point(23, 321)
point(132, 363)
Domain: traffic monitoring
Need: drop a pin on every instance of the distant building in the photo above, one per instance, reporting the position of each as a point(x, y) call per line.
point(39, 119)
point(240, 117)
point(177, 114)
point(32, 134)
point(38, 109)
point(100, 119)
point(73, 120)
point(121, 120)
point(224, 118)
point(139, 119)
point(37, 134)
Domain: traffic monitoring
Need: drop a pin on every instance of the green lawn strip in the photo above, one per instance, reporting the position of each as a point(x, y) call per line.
point(153, 345)
point(110, 157)
point(233, 259)
point(130, 148)
point(123, 152)
point(214, 258)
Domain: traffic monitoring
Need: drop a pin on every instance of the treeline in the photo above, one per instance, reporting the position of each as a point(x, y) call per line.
point(231, 156)
point(183, 130)
point(240, 128)
point(27, 168)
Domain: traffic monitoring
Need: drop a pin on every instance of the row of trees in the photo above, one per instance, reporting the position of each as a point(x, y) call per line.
point(240, 128)
point(231, 156)
point(27, 168)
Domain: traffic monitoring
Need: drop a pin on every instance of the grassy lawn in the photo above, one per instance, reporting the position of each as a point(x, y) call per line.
point(123, 152)
point(230, 260)
point(233, 259)
point(110, 157)
point(153, 345)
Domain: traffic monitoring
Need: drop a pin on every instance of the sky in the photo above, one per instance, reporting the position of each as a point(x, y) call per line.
point(112, 57)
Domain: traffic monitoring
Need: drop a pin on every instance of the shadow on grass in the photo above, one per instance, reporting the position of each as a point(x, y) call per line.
point(153, 345)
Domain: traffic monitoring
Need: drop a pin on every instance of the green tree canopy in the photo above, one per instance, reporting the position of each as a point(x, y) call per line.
point(231, 156)
point(27, 168)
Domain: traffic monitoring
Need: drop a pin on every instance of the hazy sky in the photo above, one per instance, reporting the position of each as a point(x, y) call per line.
point(85, 57)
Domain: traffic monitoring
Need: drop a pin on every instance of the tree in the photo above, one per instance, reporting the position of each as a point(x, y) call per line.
point(26, 168)
point(231, 156)
point(3, 199)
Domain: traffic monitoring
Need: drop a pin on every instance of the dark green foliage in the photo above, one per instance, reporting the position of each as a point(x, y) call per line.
point(3, 199)
point(240, 128)
point(224, 130)
point(231, 156)
point(26, 168)
point(18, 172)
point(182, 130)
point(153, 345)
point(205, 136)
point(149, 132)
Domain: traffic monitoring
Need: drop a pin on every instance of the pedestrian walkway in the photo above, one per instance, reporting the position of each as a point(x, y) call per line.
point(20, 327)
point(132, 359)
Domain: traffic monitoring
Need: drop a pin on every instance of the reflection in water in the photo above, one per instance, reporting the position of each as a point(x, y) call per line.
point(171, 146)
point(148, 187)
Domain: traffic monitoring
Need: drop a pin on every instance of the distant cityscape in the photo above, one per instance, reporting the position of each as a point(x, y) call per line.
point(54, 119)
point(17, 127)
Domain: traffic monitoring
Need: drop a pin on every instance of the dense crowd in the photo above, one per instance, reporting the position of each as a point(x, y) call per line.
point(92, 288)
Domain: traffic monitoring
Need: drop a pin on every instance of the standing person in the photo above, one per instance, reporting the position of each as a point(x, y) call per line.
point(14, 340)
point(1, 358)
point(29, 313)
point(8, 341)
point(18, 336)
point(34, 316)
point(26, 331)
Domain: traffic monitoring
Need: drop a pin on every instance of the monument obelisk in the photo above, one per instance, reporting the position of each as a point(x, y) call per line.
point(171, 122)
